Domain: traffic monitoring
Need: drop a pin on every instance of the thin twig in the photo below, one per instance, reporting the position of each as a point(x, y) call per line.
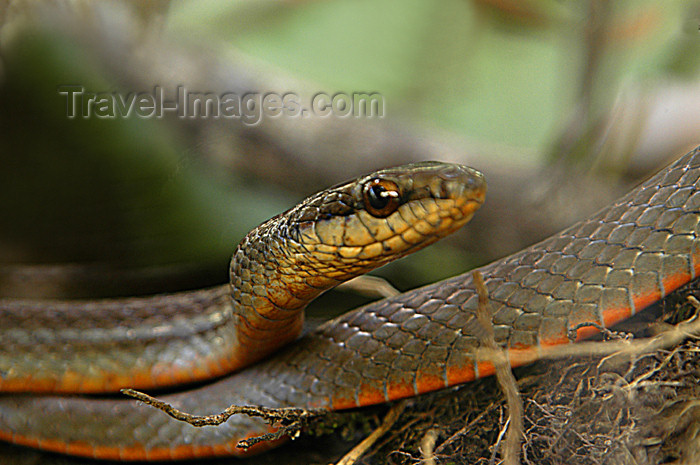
point(290, 420)
point(389, 421)
point(504, 375)
point(427, 446)
point(369, 286)
point(464, 430)
point(668, 338)
point(501, 433)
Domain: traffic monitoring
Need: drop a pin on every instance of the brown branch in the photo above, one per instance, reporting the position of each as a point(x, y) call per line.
point(290, 420)
point(624, 348)
point(504, 375)
point(389, 420)
point(427, 446)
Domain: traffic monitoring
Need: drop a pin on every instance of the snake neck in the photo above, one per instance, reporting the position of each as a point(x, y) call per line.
point(272, 281)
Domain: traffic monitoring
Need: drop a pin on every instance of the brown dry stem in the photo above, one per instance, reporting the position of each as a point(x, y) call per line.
point(289, 420)
point(428, 446)
point(389, 420)
point(673, 335)
point(504, 375)
point(366, 285)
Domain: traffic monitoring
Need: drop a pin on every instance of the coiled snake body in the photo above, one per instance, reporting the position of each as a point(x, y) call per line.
point(594, 274)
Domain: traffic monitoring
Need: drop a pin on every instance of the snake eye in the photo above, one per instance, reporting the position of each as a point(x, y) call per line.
point(381, 197)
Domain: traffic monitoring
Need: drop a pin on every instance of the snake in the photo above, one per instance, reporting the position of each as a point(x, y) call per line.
point(592, 275)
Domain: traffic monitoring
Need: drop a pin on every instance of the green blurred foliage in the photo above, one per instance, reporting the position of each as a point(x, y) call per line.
point(506, 72)
point(119, 191)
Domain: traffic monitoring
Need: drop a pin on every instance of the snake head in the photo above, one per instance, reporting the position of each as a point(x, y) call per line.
point(359, 225)
point(348, 230)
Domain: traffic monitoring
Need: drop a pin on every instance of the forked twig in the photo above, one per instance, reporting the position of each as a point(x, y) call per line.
point(290, 420)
